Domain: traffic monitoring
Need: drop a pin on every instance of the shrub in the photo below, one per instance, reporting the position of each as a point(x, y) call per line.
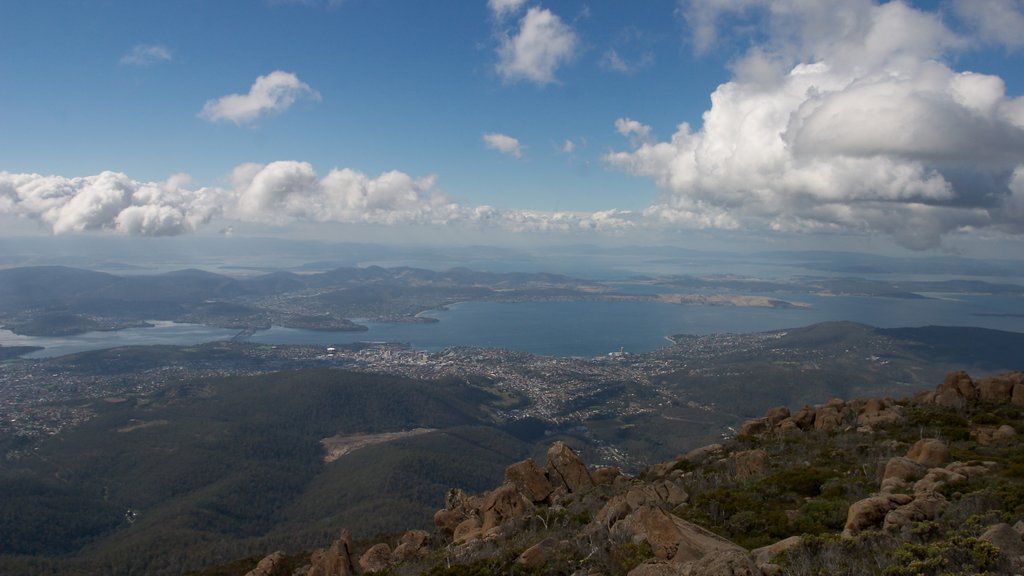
point(627, 556)
point(956, 555)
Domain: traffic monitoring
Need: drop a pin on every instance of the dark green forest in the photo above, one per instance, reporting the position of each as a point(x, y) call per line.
point(211, 470)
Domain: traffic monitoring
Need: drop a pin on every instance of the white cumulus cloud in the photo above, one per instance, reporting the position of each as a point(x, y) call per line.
point(146, 54)
point(504, 144)
point(270, 94)
point(845, 119)
point(534, 53)
point(107, 201)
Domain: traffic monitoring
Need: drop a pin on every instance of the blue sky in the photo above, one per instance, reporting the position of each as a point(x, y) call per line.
point(850, 124)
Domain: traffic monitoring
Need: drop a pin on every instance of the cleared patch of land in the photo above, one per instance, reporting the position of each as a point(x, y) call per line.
point(338, 446)
point(141, 425)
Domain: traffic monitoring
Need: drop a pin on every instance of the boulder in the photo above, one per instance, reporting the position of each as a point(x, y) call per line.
point(937, 478)
point(1005, 434)
point(996, 389)
point(672, 494)
point(606, 476)
point(1005, 537)
point(886, 416)
point(929, 452)
point(955, 391)
point(971, 470)
point(566, 468)
point(788, 428)
point(753, 427)
point(776, 415)
point(831, 416)
point(766, 554)
point(870, 512)
point(376, 559)
point(702, 454)
point(670, 537)
point(656, 567)
point(804, 418)
point(272, 565)
point(447, 520)
point(750, 463)
point(664, 493)
point(962, 383)
point(529, 479)
point(467, 530)
point(502, 504)
point(1008, 540)
point(411, 545)
point(538, 555)
point(729, 562)
point(925, 506)
point(614, 510)
point(873, 406)
point(903, 469)
point(1017, 398)
point(336, 560)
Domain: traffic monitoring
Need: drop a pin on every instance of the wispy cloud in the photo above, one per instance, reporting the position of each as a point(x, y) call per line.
point(996, 21)
point(534, 53)
point(146, 55)
point(503, 143)
point(503, 8)
point(270, 94)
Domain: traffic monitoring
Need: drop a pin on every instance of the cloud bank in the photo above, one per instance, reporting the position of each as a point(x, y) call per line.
point(845, 119)
point(270, 94)
point(278, 193)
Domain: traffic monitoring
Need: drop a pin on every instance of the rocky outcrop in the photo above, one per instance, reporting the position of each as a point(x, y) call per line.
point(566, 470)
point(563, 513)
point(336, 560)
point(272, 565)
point(833, 416)
point(527, 485)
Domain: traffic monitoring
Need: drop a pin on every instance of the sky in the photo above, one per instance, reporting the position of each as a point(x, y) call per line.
point(858, 125)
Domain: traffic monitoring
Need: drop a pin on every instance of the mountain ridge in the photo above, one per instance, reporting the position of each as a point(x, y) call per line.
point(940, 503)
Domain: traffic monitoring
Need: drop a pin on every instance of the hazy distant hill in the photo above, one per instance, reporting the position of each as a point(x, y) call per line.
point(61, 301)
